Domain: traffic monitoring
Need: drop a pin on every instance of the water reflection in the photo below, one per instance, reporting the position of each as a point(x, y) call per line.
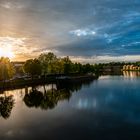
point(6, 105)
point(47, 99)
point(108, 108)
point(44, 97)
point(131, 74)
point(74, 86)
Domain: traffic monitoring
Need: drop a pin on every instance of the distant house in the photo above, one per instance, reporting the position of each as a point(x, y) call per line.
point(130, 68)
point(124, 67)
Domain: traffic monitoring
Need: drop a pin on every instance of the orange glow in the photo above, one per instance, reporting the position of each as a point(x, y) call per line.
point(9, 46)
point(6, 51)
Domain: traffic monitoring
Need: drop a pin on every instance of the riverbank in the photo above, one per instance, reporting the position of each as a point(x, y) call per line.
point(21, 83)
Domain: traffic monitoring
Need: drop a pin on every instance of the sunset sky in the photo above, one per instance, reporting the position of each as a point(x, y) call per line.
point(86, 30)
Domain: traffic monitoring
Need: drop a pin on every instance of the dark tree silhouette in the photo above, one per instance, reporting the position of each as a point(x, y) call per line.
point(6, 105)
point(45, 101)
point(33, 99)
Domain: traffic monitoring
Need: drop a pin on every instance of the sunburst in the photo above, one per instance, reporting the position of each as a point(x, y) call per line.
point(6, 51)
point(9, 45)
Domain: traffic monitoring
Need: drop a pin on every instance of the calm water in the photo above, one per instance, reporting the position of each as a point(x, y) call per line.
point(104, 109)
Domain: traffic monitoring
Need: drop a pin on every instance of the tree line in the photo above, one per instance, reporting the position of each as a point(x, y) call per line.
point(45, 64)
point(49, 63)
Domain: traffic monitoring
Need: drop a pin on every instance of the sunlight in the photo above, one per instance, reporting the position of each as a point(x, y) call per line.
point(6, 51)
point(9, 46)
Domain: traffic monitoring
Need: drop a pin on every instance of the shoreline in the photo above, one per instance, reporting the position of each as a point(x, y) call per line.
point(17, 84)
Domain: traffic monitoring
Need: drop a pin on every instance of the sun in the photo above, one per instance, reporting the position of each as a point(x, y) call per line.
point(6, 50)
point(11, 46)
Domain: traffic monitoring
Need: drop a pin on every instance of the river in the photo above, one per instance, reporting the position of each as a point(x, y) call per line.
point(104, 109)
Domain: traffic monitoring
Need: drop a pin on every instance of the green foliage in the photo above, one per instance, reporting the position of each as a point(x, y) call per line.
point(49, 62)
point(7, 70)
point(53, 65)
point(67, 65)
point(32, 67)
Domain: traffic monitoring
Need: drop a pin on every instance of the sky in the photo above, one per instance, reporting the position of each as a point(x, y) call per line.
point(89, 31)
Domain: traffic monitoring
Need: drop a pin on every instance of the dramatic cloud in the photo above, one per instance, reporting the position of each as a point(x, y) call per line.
point(93, 28)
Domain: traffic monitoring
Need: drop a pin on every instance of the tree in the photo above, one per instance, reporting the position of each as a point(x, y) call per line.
point(67, 65)
point(87, 68)
point(59, 66)
point(32, 67)
point(7, 70)
point(48, 62)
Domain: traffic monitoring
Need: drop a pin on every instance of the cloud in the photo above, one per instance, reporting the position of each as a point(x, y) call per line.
point(11, 5)
point(75, 28)
point(83, 32)
point(105, 59)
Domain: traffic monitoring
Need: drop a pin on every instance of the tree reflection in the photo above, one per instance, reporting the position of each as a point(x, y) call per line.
point(34, 98)
point(6, 105)
point(46, 100)
point(74, 85)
